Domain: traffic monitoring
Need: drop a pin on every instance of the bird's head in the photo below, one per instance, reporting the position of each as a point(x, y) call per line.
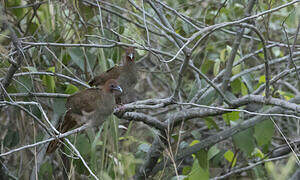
point(112, 86)
point(130, 54)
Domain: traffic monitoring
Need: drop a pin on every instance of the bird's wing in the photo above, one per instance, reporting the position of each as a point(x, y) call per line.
point(84, 100)
point(112, 73)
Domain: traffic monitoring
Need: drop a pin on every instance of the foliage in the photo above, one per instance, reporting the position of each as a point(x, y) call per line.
point(80, 39)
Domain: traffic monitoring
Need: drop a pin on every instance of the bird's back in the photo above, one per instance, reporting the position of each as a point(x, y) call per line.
point(112, 73)
point(85, 100)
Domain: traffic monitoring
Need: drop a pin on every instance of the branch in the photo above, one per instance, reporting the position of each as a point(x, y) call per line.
point(236, 44)
point(45, 141)
point(235, 171)
point(51, 74)
point(15, 66)
point(210, 141)
point(46, 95)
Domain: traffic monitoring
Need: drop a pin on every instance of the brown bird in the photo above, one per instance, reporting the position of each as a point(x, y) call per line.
point(126, 76)
point(91, 106)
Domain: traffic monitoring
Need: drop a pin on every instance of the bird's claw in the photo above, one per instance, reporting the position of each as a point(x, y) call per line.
point(119, 107)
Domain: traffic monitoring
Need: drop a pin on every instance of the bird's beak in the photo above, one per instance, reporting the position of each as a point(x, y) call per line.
point(118, 88)
point(130, 56)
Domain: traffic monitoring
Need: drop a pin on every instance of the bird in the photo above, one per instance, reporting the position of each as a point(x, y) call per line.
point(90, 106)
point(126, 76)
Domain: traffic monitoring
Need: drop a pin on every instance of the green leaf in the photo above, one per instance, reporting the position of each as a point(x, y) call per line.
point(59, 106)
point(245, 141)
point(202, 157)
point(211, 123)
point(247, 79)
point(197, 173)
point(83, 144)
point(222, 55)
point(11, 139)
point(45, 171)
point(228, 49)
point(32, 27)
point(244, 89)
point(186, 170)
point(236, 69)
point(263, 132)
point(276, 51)
point(207, 65)
point(217, 67)
point(232, 116)
point(48, 81)
point(229, 155)
point(236, 86)
point(258, 153)
point(194, 90)
point(25, 84)
point(194, 142)
point(71, 89)
point(212, 152)
point(18, 12)
point(262, 79)
point(208, 97)
point(196, 134)
point(77, 57)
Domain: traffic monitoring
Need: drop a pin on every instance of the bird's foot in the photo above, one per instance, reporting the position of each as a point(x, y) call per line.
point(120, 107)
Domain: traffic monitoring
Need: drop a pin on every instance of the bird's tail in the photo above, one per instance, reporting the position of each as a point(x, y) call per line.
point(68, 123)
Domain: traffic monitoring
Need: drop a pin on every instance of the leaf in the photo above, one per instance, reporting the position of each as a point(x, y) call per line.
point(11, 139)
point(212, 152)
point(186, 170)
point(207, 65)
point(77, 57)
point(208, 97)
point(258, 153)
point(217, 67)
point(48, 81)
point(222, 55)
point(236, 69)
point(236, 86)
point(59, 106)
point(18, 12)
point(32, 27)
point(25, 84)
point(262, 79)
point(276, 51)
point(83, 144)
point(202, 157)
point(232, 116)
point(263, 132)
point(247, 79)
point(229, 156)
point(194, 90)
point(197, 173)
point(194, 142)
point(228, 49)
point(196, 134)
point(245, 141)
point(71, 89)
point(45, 171)
point(211, 123)
point(244, 89)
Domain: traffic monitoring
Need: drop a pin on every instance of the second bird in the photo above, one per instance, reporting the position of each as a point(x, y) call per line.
point(126, 76)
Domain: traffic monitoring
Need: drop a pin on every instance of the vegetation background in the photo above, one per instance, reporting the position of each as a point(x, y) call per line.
point(218, 89)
